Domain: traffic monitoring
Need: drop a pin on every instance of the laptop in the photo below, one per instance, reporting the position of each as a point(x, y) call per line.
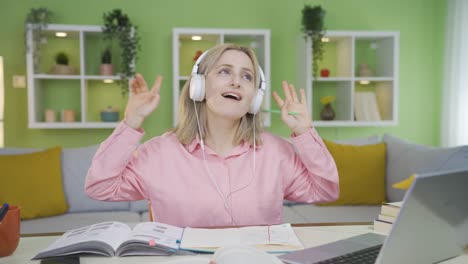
point(432, 226)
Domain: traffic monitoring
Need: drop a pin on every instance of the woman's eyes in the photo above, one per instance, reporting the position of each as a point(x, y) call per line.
point(224, 71)
point(246, 76)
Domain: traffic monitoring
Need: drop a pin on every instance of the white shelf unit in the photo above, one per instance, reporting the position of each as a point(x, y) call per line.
point(84, 92)
point(343, 53)
point(184, 50)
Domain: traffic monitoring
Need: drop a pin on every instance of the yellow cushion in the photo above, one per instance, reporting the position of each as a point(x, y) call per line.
point(404, 184)
point(361, 171)
point(33, 182)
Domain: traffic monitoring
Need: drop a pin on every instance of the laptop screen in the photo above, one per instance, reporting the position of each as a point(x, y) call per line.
point(432, 224)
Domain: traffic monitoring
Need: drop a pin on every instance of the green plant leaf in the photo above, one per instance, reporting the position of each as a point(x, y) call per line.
point(117, 25)
point(313, 26)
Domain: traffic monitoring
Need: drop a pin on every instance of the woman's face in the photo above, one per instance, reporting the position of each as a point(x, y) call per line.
point(230, 86)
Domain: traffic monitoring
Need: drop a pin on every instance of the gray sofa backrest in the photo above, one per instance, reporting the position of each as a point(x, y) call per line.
point(405, 158)
point(75, 165)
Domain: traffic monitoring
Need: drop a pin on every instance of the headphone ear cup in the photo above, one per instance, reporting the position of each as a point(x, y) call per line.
point(256, 102)
point(197, 87)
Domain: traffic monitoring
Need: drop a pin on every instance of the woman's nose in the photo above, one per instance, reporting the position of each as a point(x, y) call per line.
point(235, 81)
point(235, 84)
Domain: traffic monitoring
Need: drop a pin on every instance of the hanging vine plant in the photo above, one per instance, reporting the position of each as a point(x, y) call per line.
point(37, 19)
point(312, 25)
point(118, 26)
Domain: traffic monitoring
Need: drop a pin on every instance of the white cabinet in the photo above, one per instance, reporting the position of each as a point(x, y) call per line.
point(188, 42)
point(74, 97)
point(362, 71)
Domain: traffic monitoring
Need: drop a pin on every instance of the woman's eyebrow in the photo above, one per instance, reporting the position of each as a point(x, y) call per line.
point(232, 66)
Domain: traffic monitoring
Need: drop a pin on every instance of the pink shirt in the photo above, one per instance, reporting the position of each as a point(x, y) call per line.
point(174, 178)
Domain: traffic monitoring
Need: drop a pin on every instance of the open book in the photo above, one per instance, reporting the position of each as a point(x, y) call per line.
point(117, 239)
point(272, 239)
point(153, 238)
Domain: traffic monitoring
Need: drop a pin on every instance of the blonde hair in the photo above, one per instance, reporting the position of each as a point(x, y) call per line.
point(186, 129)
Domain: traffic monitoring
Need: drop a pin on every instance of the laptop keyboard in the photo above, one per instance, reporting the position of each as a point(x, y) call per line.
point(366, 256)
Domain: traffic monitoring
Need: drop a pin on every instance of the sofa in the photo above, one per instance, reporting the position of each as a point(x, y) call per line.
point(400, 160)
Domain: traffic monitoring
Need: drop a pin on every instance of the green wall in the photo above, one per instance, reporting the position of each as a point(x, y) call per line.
point(420, 23)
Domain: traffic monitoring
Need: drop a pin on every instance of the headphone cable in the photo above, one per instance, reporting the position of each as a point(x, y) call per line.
point(226, 206)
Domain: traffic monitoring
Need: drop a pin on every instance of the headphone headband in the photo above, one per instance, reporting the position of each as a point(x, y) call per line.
point(197, 86)
point(197, 63)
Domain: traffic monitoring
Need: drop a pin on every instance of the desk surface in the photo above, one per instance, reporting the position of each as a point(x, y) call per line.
point(310, 235)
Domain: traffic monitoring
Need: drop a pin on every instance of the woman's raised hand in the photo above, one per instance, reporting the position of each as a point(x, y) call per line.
point(301, 121)
point(141, 101)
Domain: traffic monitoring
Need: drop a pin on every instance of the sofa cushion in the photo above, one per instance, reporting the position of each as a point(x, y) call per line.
point(404, 184)
point(405, 158)
point(75, 165)
point(359, 141)
point(34, 183)
point(352, 141)
point(361, 170)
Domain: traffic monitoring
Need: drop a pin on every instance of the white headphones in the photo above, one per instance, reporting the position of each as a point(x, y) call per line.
point(197, 86)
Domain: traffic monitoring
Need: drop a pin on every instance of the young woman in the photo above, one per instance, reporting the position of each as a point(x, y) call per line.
point(217, 167)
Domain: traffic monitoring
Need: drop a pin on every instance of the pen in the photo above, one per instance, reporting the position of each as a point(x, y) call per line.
point(279, 111)
point(3, 211)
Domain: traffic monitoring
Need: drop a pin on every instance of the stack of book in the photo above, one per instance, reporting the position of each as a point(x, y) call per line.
point(388, 213)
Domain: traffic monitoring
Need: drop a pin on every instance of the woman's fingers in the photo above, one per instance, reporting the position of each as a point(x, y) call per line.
point(157, 85)
point(141, 83)
point(292, 90)
point(133, 86)
point(287, 92)
point(303, 96)
point(278, 99)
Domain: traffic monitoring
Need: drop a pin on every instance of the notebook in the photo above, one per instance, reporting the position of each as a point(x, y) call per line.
point(432, 226)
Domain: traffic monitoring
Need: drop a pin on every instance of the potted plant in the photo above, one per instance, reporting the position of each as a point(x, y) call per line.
point(327, 112)
point(312, 26)
point(61, 65)
point(118, 26)
point(106, 62)
point(37, 19)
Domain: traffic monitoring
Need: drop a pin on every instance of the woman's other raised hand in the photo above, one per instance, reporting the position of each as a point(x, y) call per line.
point(301, 122)
point(142, 101)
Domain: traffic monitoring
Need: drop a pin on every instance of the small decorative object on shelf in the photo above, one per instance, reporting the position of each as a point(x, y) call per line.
point(118, 25)
point(327, 112)
point(365, 71)
point(49, 115)
point(312, 25)
point(38, 18)
point(106, 62)
point(109, 115)
point(324, 72)
point(197, 55)
point(61, 66)
point(68, 115)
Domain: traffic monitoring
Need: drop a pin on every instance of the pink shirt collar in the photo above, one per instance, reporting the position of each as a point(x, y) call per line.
point(238, 150)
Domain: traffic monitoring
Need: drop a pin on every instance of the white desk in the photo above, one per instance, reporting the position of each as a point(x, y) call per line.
point(309, 235)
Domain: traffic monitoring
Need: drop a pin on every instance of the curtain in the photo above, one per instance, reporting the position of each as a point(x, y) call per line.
point(454, 118)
